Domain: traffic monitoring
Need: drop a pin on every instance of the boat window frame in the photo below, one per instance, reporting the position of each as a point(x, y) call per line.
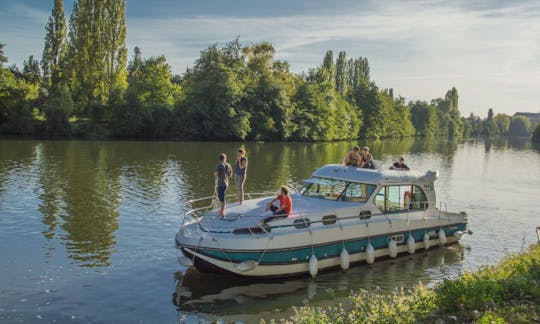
point(324, 182)
point(408, 202)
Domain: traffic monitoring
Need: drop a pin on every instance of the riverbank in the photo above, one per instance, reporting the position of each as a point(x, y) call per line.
point(507, 292)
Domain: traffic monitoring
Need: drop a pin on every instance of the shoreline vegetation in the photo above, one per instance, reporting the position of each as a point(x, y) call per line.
point(508, 292)
point(85, 87)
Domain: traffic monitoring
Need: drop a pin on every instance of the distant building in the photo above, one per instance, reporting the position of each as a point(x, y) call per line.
point(533, 117)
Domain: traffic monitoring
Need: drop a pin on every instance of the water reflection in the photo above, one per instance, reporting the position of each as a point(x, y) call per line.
point(221, 296)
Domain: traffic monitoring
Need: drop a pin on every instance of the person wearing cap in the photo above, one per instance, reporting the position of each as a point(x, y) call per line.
point(400, 165)
point(353, 158)
point(240, 173)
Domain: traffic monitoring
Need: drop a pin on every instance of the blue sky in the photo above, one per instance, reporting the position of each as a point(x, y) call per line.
point(488, 50)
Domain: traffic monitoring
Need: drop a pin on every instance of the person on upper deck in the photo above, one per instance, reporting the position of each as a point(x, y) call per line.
point(368, 162)
point(364, 156)
point(400, 165)
point(353, 158)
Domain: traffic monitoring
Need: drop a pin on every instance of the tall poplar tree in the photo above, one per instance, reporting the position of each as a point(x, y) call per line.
point(115, 45)
point(97, 51)
point(341, 73)
point(54, 51)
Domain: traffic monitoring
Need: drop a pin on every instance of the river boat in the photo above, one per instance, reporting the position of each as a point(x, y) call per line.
point(341, 215)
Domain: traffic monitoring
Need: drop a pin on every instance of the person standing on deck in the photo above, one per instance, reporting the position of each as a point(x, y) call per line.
point(222, 174)
point(240, 173)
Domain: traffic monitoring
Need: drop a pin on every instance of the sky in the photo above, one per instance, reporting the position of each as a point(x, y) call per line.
point(488, 50)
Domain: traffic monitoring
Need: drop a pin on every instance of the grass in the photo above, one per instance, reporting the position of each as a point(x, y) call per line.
point(506, 293)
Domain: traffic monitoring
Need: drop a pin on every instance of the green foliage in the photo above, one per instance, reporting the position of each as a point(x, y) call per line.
point(536, 134)
point(96, 52)
point(213, 88)
point(424, 118)
point(400, 306)
point(519, 126)
point(53, 58)
point(17, 99)
point(3, 58)
point(509, 292)
point(57, 111)
point(503, 123)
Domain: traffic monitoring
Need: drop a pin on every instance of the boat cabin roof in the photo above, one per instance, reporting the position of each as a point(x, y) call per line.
point(354, 174)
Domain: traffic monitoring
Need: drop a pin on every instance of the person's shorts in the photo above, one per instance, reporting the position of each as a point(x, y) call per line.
point(221, 193)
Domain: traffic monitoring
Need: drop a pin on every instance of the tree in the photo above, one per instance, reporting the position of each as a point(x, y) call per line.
point(503, 123)
point(3, 58)
point(536, 134)
point(96, 51)
point(341, 73)
point(213, 88)
point(424, 118)
point(519, 126)
point(31, 72)
point(490, 128)
point(54, 51)
point(57, 111)
point(266, 98)
point(115, 45)
point(149, 99)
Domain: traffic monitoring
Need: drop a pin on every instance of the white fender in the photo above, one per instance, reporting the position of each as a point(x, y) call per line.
point(370, 253)
point(246, 265)
point(313, 265)
point(411, 244)
point(459, 234)
point(392, 248)
point(426, 241)
point(442, 236)
point(344, 259)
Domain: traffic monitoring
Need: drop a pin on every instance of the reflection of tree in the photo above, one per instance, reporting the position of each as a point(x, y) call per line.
point(51, 185)
point(91, 200)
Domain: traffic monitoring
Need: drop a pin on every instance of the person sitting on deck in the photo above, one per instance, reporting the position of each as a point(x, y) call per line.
point(353, 158)
point(285, 205)
point(400, 165)
point(368, 162)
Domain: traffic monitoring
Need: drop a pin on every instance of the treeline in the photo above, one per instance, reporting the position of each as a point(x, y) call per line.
point(85, 86)
point(502, 124)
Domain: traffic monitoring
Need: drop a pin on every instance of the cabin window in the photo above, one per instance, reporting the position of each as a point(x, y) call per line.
point(401, 197)
point(357, 192)
point(301, 223)
point(365, 214)
point(323, 188)
point(329, 219)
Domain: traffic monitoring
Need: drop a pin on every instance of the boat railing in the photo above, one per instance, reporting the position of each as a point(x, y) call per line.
point(301, 218)
point(204, 204)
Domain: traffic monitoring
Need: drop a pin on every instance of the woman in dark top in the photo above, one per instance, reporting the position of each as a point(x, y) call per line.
point(240, 173)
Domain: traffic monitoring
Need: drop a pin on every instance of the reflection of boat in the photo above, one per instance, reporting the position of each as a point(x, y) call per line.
point(211, 296)
point(341, 215)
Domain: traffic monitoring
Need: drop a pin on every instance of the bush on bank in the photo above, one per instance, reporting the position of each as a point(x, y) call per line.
point(506, 293)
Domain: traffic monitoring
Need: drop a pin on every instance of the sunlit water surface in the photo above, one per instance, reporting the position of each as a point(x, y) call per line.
point(87, 227)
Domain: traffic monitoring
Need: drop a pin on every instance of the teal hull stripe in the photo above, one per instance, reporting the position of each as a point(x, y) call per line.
point(331, 250)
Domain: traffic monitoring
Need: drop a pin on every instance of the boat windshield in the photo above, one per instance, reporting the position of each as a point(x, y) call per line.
point(323, 188)
point(337, 189)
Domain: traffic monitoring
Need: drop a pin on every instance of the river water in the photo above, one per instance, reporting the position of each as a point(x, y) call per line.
point(87, 227)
